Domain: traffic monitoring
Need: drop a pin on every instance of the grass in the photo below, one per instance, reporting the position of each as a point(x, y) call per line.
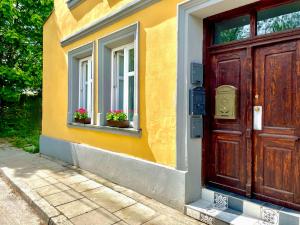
point(29, 143)
point(20, 123)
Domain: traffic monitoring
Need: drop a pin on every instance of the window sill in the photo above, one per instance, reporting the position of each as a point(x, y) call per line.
point(113, 130)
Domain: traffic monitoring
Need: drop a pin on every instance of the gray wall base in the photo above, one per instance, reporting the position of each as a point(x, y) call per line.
point(162, 183)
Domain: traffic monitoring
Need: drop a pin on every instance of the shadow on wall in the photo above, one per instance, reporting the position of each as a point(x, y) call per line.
point(111, 3)
point(84, 8)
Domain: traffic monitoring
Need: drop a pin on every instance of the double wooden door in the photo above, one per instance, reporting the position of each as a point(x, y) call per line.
point(261, 160)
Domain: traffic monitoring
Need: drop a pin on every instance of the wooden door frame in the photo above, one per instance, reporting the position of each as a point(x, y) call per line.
point(249, 44)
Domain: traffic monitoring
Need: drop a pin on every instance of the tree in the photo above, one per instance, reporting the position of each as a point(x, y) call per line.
point(21, 37)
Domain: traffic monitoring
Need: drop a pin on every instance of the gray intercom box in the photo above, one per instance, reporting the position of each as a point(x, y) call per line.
point(197, 73)
point(196, 127)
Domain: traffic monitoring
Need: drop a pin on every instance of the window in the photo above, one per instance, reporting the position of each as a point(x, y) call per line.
point(280, 18)
point(123, 79)
point(86, 85)
point(118, 75)
point(233, 29)
point(266, 18)
point(81, 81)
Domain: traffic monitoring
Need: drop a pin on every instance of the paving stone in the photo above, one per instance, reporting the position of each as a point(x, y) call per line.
point(95, 217)
point(95, 177)
point(77, 208)
point(163, 220)
point(46, 208)
point(136, 196)
point(115, 187)
point(63, 197)
point(85, 186)
point(136, 214)
point(37, 183)
point(120, 201)
point(52, 189)
point(109, 199)
point(60, 220)
point(123, 223)
point(31, 178)
point(62, 174)
point(73, 179)
point(52, 170)
point(32, 195)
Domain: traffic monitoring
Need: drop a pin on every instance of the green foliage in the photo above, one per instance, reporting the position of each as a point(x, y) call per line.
point(116, 116)
point(279, 23)
point(20, 122)
point(81, 114)
point(21, 29)
point(21, 39)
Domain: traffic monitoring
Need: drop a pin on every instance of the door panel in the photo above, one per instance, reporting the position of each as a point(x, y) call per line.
point(276, 145)
point(277, 89)
point(227, 161)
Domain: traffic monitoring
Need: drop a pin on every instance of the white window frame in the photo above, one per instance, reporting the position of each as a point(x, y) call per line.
point(115, 79)
point(90, 84)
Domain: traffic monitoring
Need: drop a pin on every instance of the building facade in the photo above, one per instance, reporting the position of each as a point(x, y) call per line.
point(151, 60)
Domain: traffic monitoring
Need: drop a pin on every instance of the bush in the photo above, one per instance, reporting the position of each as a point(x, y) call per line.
point(20, 122)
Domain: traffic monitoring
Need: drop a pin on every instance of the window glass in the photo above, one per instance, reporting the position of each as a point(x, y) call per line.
point(279, 18)
point(85, 85)
point(131, 60)
point(233, 29)
point(121, 81)
point(123, 89)
point(130, 97)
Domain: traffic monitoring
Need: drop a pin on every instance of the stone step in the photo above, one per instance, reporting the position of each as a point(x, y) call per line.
point(205, 212)
point(230, 205)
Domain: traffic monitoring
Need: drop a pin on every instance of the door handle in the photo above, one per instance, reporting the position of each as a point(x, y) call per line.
point(257, 117)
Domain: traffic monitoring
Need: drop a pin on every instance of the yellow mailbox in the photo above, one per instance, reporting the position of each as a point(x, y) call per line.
point(226, 102)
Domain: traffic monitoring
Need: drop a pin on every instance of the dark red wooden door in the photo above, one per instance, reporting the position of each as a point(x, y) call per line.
point(227, 155)
point(269, 77)
point(276, 146)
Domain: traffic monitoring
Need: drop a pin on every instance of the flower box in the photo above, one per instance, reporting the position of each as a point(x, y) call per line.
point(81, 116)
point(84, 121)
point(120, 124)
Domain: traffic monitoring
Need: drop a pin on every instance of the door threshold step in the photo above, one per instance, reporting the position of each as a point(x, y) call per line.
point(205, 212)
point(214, 200)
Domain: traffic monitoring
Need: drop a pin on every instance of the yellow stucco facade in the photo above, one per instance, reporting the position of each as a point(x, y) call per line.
point(157, 77)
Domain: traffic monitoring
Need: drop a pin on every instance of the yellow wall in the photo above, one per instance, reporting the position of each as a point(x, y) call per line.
point(157, 74)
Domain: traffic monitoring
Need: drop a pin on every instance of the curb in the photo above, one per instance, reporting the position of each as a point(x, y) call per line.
point(48, 213)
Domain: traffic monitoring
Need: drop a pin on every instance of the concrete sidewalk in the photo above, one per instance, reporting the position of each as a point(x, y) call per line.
point(66, 195)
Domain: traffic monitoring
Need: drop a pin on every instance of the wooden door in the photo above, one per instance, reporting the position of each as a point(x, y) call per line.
point(276, 146)
point(227, 158)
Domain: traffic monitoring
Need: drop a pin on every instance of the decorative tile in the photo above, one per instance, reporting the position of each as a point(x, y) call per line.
point(220, 201)
point(207, 219)
point(270, 216)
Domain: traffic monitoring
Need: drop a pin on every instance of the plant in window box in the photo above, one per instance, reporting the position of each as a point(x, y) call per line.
point(81, 116)
point(117, 119)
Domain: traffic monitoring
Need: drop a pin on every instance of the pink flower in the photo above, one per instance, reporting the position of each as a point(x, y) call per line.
point(81, 110)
